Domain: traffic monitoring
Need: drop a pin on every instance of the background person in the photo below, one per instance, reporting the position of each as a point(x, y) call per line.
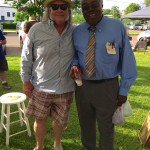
point(32, 20)
point(27, 25)
point(3, 63)
point(101, 93)
point(26, 28)
point(46, 79)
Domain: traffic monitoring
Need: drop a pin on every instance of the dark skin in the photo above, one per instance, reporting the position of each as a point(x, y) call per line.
point(92, 12)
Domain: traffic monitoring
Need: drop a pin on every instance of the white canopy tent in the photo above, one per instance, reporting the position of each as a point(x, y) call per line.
point(143, 14)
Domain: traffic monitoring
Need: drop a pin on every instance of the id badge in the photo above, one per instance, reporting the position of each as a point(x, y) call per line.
point(110, 47)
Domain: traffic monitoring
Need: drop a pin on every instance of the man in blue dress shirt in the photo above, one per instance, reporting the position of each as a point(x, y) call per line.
point(99, 96)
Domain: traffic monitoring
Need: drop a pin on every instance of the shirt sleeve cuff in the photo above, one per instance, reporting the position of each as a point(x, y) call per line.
point(24, 79)
point(123, 91)
point(74, 63)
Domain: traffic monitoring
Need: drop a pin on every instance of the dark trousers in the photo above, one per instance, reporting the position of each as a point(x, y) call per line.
point(96, 102)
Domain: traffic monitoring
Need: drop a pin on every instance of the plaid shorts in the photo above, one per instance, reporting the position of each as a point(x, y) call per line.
point(42, 104)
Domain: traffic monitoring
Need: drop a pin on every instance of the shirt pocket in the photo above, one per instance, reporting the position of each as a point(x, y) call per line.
point(109, 58)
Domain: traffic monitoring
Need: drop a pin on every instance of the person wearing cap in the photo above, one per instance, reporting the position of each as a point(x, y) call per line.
point(46, 79)
point(32, 20)
point(108, 69)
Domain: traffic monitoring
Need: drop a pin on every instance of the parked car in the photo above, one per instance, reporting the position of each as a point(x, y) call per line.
point(146, 27)
point(128, 25)
point(21, 33)
point(144, 34)
point(136, 27)
point(17, 27)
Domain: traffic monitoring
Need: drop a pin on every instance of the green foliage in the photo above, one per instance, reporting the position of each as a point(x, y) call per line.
point(77, 18)
point(33, 8)
point(106, 11)
point(21, 16)
point(9, 25)
point(76, 4)
point(115, 12)
point(147, 2)
point(125, 21)
point(132, 7)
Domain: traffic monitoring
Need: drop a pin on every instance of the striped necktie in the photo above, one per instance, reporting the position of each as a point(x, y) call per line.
point(89, 58)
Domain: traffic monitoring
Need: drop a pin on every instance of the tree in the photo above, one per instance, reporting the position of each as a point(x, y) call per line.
point(147, 2)
point(115, 12)
point(106, 11)
point(21, 16)
point(35, 7)
point(31, 7)
point(76, 4)
point(132, 7)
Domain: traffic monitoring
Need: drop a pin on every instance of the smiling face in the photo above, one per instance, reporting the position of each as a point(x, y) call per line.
point(59, 11)
point(92, 11)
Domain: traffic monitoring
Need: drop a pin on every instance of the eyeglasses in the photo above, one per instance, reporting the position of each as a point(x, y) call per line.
point(86, 7)
point(57, 6)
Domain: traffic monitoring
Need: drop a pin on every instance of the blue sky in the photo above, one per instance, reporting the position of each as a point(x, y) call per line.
point(122, 4)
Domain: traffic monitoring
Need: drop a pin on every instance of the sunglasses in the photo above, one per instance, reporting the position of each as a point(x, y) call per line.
point(86, 7)
point(57, 6)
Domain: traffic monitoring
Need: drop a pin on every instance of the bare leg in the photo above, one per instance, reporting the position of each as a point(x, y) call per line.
point(57, 133)
point(40, 129)
point(3, 75)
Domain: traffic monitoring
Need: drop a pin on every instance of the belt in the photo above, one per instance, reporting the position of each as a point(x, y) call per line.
point(100, 81)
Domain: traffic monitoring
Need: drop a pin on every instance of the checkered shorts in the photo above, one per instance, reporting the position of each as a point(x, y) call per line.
point(57, 106)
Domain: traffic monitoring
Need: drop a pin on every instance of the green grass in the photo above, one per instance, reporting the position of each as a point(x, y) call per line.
point(125, 135)
point(134, 33)
point(9, 30)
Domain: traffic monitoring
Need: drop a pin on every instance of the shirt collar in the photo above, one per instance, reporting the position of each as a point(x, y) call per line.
point(99, 25)
point(51, 24)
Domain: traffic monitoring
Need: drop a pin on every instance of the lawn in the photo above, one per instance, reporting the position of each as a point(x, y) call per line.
point(126, 134)
point(134, 32)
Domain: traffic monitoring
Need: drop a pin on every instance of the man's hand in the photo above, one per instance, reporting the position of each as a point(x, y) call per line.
point(28, 88)
point(121, 100)
point(75, 72)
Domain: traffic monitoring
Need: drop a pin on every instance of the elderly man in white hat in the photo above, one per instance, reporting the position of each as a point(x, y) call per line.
point(45, 63)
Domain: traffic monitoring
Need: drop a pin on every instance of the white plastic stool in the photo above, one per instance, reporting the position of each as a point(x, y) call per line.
point(8, 100)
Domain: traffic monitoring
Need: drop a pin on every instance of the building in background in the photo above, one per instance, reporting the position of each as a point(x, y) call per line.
point(7, 12)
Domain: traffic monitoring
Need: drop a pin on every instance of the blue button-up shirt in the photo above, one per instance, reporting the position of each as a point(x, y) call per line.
point(108, 63)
